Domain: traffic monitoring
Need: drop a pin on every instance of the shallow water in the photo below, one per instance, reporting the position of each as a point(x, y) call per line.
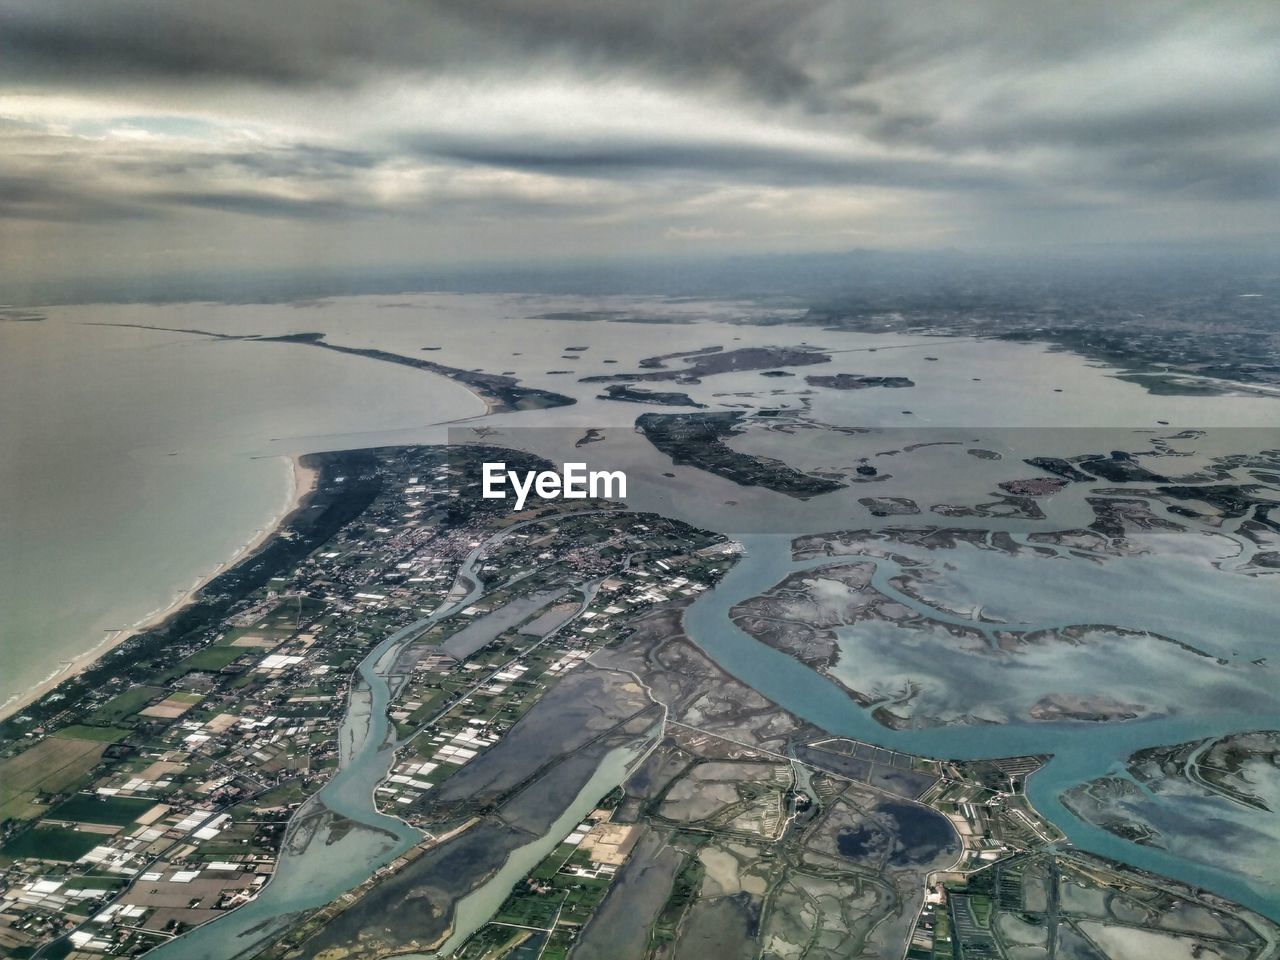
point(478, 906)
point(1082, 751)
point(138, 461)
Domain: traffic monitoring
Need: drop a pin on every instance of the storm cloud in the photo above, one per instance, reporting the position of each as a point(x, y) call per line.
point(141, 131)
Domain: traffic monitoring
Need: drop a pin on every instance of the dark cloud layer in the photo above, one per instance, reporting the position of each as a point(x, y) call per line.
point(750, 119)
point(329, 41)
point(709, 161)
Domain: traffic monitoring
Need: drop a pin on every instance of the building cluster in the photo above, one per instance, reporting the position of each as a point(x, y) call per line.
point(180, 777)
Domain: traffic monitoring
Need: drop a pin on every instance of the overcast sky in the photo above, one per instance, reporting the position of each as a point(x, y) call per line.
point(167, 135)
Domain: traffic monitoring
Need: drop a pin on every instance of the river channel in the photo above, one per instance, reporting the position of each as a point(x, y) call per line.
point(316, 872)
point(1080, 751)
point(313, 871)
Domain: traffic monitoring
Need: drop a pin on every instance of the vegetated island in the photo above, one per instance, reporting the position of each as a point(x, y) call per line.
point(611, 316)
point(500, 393)
point(669, 398)
point(1237, 770)
point(710, 361)
point(660, 361)
point(808, 616)
point(698, 439)
point(856, 381)
point(890, 506)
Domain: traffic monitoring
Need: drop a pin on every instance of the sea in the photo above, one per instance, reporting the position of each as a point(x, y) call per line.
point(136, 462)
point(143, 447)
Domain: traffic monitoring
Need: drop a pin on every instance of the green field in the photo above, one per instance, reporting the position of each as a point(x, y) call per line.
point(279, 796)
point(210, 659)
point(125, 704)
point(51, 843)
point(980, 906)
point(78, 731)
point(51, 766)
point(91, 808)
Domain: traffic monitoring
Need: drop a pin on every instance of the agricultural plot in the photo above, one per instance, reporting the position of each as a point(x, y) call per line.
point(91, 808)
point(49, 767)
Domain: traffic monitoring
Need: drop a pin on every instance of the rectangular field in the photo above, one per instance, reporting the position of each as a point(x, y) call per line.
point(90, 808)
point(52, 765)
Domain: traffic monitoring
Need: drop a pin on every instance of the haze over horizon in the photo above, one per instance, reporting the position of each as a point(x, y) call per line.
point(139, 137)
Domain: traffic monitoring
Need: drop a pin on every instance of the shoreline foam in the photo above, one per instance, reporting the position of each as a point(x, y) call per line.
point(302, 484)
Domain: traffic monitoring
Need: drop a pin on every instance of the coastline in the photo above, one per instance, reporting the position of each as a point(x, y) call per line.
point(302, 485)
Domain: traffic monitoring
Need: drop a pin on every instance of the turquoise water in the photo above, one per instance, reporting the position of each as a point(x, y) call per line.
point(1081, 751)
point(137, 461)
point(313, 876)
point(320, 872)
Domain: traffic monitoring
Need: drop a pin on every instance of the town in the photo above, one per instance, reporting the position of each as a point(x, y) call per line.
point(158, 800)
point(418, 721)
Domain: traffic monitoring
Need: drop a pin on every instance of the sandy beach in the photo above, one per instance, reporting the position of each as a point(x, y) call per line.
point(303, 483)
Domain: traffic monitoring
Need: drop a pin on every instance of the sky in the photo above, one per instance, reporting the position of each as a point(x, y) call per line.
point(158, 136)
